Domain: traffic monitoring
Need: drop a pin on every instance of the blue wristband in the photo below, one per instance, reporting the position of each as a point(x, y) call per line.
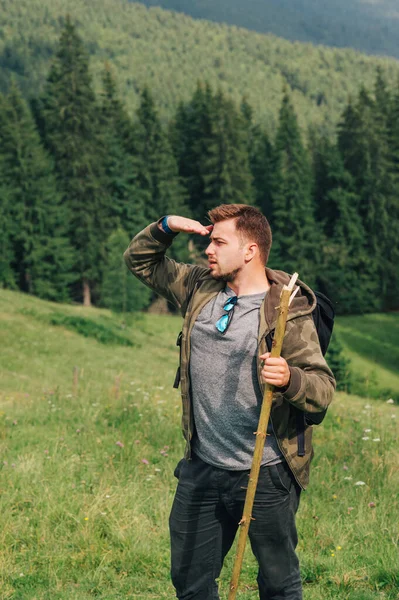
point(164, 225)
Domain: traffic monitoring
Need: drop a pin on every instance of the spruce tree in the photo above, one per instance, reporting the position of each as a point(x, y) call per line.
point(391, 242)
point(157, 172)
point(8, 226)
point(344, 276)
point(128, 200)
point(39, 256)
point(70, 125)
point(260, 153)
point(296, 239)
point(261, 157)
point(364, 146)
point(211, 140)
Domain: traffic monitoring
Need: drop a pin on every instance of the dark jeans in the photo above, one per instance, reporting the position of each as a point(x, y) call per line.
point(204, 519)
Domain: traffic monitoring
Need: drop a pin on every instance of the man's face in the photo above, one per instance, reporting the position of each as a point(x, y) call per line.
point(226, 251)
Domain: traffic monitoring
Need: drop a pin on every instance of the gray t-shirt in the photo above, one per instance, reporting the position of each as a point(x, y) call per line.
point(225, 390)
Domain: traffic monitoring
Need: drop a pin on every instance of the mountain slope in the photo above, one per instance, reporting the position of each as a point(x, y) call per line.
point(170, 52)
point(367, 25)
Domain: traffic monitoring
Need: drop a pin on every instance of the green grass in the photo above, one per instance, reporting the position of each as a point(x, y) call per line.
point(371, 343)
point(82, 517)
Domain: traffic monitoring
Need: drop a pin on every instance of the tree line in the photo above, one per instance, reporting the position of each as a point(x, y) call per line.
point(79, 177)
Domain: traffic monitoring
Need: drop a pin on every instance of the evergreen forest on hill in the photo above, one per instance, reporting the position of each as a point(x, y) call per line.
point(171, 52)
point(79, 177)
point(368, 26)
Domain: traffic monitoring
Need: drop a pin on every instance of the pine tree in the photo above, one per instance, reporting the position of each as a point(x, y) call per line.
point(157, 171)
point(260, 154)
point(363, 143)
point(121, 292)
point(128, 200)
point(391, 242)
point(70, 125)
point(296, 239)
point(344, 276)
point(39, 255)
point(211, 141)
point(7, 227)
point(261, 157)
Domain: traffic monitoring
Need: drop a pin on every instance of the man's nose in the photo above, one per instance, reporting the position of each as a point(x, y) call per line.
point(208, 251)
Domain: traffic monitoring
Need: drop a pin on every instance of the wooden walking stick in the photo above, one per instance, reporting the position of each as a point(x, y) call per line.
point(285, 298)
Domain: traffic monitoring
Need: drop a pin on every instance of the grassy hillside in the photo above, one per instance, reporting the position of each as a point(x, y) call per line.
point(87, 467)
point(170, 52)
point(372, 344)
point(367, 26)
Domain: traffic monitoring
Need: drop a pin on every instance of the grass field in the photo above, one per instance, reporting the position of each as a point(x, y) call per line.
point(86, 469)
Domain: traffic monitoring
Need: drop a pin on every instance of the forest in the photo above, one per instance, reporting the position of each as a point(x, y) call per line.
point(170, 52)
point(79, 176)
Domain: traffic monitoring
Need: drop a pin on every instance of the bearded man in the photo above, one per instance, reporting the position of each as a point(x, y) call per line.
point(228, 309)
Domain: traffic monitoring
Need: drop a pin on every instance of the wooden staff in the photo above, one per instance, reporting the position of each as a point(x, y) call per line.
point(285, 298)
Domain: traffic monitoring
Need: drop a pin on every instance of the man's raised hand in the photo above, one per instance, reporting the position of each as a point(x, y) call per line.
point(185, 225)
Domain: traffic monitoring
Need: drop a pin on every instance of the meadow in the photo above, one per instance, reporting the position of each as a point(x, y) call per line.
point(90, 436)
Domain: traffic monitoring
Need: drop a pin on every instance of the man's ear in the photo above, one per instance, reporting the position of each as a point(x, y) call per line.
point(251, 251)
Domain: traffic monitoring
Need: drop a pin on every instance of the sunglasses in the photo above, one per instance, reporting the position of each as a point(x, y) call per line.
point(224, 321)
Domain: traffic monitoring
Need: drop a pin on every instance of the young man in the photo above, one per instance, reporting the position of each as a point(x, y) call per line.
point(228, 310)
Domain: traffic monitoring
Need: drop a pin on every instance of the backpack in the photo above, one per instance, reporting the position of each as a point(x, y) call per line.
point(323, 318)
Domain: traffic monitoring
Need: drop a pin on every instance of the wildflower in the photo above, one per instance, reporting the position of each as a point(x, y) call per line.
point(345, 468)
point(120, 444)
point(347, 478)
point(107, 496)
point(332, 553)
point(367, 430)
point(376, 440)
point(365, 438)
point(334, 496)
point(350, 508)
point(145, 461)
point(46, 452)
point(78, 431)
point(368, 406)
point(137, 441)
point(393, 416)
point(21, 575)
point(360, 483)
point(390, 401)
point(15, 422)
point(372, 504)
point(339, 548)
point(157, 470)
point(86, 518)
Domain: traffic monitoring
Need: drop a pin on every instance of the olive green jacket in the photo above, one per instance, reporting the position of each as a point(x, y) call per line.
point(191, 287)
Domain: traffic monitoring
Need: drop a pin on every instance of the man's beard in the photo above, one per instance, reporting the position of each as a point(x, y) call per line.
point(227, 277)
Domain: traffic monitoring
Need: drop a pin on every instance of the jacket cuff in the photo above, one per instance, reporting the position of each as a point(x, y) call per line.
point(294, 385)
point(161, 236)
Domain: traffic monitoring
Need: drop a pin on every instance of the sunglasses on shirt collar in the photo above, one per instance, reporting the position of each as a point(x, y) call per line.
point(223, 323)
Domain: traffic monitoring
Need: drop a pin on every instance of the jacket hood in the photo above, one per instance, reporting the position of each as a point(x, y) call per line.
point(302, 304)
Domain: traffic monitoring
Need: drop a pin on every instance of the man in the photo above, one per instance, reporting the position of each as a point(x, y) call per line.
point(228, 310)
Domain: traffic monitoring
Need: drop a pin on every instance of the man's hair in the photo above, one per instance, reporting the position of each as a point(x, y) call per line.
point(250, 222)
